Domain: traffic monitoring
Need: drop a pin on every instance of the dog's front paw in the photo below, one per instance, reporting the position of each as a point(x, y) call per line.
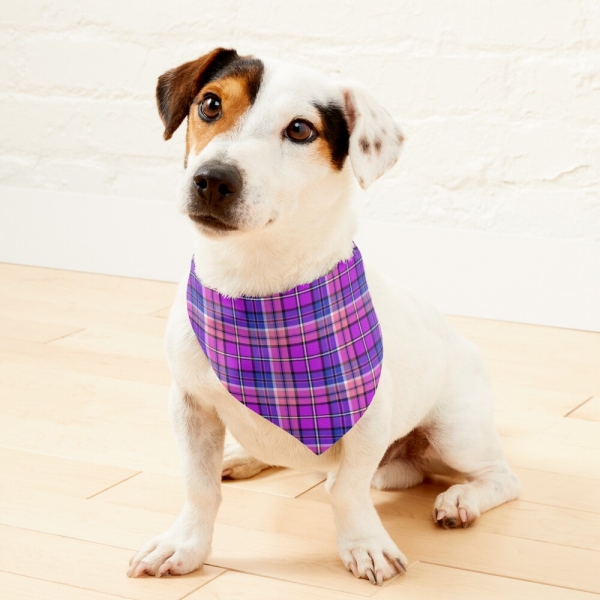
point(172, 553)
point(456, 507)
point(372, 559)
point(238, 464)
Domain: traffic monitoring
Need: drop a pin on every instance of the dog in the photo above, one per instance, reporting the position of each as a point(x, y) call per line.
point(271, 150)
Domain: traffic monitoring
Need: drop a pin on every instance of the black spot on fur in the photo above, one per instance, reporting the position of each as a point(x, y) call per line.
point(377, 146)
point(335, 132)
point(365, 145)
point(251, 69)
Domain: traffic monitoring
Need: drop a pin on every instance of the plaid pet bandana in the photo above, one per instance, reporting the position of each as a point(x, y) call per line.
point(308, 360)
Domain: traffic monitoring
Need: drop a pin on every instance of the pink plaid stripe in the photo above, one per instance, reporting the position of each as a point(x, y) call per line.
point(308, 359)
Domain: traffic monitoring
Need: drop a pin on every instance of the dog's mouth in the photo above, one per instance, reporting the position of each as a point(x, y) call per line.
point(211, 222)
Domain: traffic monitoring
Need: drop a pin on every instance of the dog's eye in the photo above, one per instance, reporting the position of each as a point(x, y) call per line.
point(210, 108)
point(300, 130)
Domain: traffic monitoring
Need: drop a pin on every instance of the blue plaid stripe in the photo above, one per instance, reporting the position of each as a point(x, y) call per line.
point(308, 359)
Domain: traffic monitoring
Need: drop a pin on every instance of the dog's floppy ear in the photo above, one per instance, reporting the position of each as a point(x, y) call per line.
point(375, 138)
point(177, 88)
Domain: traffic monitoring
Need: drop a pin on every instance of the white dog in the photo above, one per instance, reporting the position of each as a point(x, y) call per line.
point(266, 187)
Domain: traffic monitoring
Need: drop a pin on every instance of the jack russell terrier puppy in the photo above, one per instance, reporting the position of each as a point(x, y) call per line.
point(276, 335)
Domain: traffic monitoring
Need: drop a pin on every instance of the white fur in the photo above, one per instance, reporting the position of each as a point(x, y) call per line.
point(295, 224)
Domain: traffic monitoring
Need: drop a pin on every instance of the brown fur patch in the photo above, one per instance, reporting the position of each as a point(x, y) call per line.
point(177, 88)
point(365, 145)
point(411, 447)
point(377, 145)
point(350, 110)
point(236, 98)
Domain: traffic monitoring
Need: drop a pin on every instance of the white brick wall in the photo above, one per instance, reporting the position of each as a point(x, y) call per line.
point(500, 99)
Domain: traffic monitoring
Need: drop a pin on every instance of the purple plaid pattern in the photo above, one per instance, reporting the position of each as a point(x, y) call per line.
point(308, 360)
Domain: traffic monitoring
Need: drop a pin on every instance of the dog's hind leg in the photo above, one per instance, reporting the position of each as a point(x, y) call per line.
point(468, 442)
point(400, 466)
point(238, 464)
point(398, 474)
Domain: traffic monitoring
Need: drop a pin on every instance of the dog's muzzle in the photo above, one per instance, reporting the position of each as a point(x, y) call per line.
point(216, 187)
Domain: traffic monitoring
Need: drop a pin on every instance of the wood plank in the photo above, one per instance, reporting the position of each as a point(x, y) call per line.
point(481, 549)
point(476, 550)
point(552, 457)
point(99, 395)
point(120, 341)
point(521, 411)
point(49, 473)
point(517, 398)
point(535, 356)
point(497, 335)
point(163, 313)
point(555, 489)
point(573, 432)
point(77, 316)
point(163, 493)
point(121, 444)
point(295, 558)
point(590, 411)
point(33, 331)
point(520, 519)
point(251, 587)
point(425, 581)
point(282, 482)
point(529, 520)
point(280, 556)
point(18, 587)
point(72, 288)
point(61, 395)
point(313, 518)
point(106, 420)
point(563, 526)
point(87, 565)
point(79, 361)
point(96, 418)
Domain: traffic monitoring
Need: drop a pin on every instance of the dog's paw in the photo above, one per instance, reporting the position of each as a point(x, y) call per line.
point(456, 507)
point(396, 475)
point(372, 559)
point(170, 554)
point(238, 464)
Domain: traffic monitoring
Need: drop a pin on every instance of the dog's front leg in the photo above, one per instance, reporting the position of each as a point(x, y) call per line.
point(184, 547)
point(365, 546)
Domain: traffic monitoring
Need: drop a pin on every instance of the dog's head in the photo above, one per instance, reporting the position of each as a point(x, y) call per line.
point(265, 138)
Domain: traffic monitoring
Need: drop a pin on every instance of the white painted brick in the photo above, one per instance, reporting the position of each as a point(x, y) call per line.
point(565, 87)
point(550, 151)
point(511, 24)
point(102, 66)
point(499, 99)
point(84, 128)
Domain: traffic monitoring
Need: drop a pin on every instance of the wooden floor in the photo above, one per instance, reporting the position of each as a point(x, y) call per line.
point(89, 470)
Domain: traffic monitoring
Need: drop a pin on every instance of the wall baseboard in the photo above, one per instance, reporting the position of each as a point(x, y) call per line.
point(531, 280)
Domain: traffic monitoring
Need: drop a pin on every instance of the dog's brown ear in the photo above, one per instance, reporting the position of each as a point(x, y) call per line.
point(177, 88)
point(375, 138)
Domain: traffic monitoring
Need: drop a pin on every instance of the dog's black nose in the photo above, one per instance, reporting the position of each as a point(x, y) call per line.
point(218, 183)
